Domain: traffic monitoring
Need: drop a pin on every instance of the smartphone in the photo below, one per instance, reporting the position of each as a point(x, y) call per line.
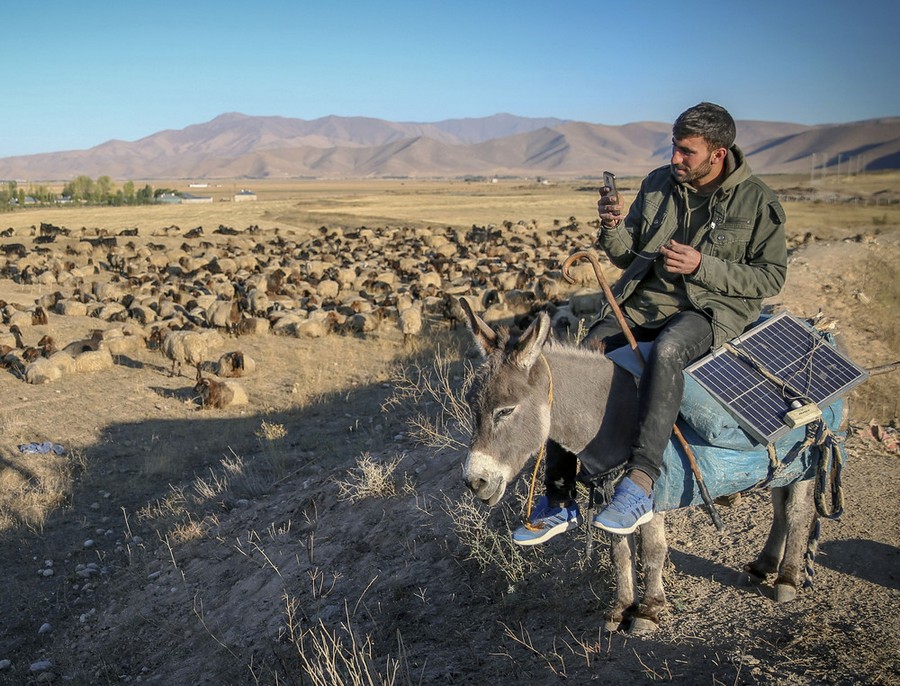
point(609, 180)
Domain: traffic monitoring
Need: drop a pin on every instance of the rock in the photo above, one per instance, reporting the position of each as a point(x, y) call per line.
point(40, 666)
point(5, 664)
point(46, 628)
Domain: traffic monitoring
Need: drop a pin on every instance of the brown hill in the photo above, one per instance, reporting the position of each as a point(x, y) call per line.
point(234, 145)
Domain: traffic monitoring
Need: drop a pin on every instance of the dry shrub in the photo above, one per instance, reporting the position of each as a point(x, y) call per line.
point(488, 544)
point(271, 439)
point(433, 397)
point(339, 657)
point(369, 479)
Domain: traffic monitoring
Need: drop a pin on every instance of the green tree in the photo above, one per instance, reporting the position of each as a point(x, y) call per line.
point(80, 189)
point(145, 195)
point(128, 192)
point(103, 189)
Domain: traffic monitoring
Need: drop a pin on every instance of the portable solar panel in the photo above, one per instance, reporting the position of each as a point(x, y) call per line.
point(779, 365)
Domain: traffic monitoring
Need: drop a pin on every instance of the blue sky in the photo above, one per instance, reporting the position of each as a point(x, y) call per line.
point(79, 74)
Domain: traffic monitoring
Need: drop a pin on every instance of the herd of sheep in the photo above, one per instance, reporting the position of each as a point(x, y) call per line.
point(187, 294)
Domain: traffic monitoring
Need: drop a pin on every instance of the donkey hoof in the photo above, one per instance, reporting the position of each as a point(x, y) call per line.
point(785, 592)
point(643, 626)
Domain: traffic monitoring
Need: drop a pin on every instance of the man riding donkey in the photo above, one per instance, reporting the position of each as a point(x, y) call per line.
point(702, 245)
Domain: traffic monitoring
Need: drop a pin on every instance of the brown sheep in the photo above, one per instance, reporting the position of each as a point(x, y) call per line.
point(85, 344)
point(219, 394)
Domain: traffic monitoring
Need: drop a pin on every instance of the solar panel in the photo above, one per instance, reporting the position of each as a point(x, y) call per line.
point(803, 363)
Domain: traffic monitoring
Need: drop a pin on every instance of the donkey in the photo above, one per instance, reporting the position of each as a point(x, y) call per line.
point(530, 392)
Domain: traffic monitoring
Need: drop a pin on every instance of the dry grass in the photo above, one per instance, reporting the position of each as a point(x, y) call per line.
point(432, 395)
point(340, 657)
point(369, 479)
point(877, 398)
point(32, 487)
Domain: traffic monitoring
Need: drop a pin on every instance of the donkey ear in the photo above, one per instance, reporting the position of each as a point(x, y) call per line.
point(530, 344)
point(484, 335)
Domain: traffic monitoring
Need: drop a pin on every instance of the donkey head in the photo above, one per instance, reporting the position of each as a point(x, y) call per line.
point(510, 405)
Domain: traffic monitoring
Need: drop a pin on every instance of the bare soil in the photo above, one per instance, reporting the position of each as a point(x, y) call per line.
point(163, 573)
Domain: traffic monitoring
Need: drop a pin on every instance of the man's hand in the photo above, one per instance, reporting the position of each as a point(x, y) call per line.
point(609, 207)
point(680, 258)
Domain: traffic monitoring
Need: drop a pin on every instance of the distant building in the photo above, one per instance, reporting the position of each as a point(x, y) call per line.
point(169, 199)
point(189, 199)
point(244, 195)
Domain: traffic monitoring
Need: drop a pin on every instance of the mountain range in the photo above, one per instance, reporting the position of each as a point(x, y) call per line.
point(236, 145)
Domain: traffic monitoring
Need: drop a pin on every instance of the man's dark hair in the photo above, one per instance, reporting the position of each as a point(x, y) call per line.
point(708, 120)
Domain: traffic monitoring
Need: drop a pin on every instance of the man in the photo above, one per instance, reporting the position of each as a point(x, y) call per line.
point(702, 245)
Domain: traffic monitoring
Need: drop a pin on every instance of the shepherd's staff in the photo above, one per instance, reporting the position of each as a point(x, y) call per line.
point(695, 468)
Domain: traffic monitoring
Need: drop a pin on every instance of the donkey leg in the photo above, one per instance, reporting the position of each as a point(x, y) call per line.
point(626, 600)
point(799, 514)
point(767, 561)
point(654, 549)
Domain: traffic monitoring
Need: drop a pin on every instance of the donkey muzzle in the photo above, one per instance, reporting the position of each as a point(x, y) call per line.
point(483, 479)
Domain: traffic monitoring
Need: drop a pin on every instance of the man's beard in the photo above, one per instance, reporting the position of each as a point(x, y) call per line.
point(691, 175)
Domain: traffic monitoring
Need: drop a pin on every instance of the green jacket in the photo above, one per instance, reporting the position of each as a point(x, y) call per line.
point(743, 246)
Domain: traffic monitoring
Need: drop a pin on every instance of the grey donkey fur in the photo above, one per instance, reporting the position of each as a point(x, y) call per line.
point(593, 414)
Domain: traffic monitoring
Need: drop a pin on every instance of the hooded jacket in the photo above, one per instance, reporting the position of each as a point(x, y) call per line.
point(743, 245)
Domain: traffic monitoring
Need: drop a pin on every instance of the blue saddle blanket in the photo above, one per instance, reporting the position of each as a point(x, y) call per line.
point(729, 459)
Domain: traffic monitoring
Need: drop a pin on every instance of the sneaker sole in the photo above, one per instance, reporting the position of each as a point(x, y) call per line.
point(643, 519)
point(546, 534)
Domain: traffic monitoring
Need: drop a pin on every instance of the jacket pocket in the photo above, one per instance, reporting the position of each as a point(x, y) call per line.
point(653, 219)
point(728, 240)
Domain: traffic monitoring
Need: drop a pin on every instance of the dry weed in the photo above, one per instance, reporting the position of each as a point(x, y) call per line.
point(434, 396)
point(369, 479)
point(331, 657)
point(271, 437)
point(489, 545)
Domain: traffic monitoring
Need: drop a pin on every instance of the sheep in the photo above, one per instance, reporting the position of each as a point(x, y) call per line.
point(235, 364)
point(258, 302)
point(410, 322)
point(47, 345)
point(223, 314)
point(251, 325)
point(363, 322)
point(85, 344)
point(20, 318)
point(190, 347)
point(219, 394)
point(46, 369)
point(93, 361)
point(125, 340)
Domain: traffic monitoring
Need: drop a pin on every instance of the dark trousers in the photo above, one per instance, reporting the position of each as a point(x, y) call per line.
point(684, 338)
